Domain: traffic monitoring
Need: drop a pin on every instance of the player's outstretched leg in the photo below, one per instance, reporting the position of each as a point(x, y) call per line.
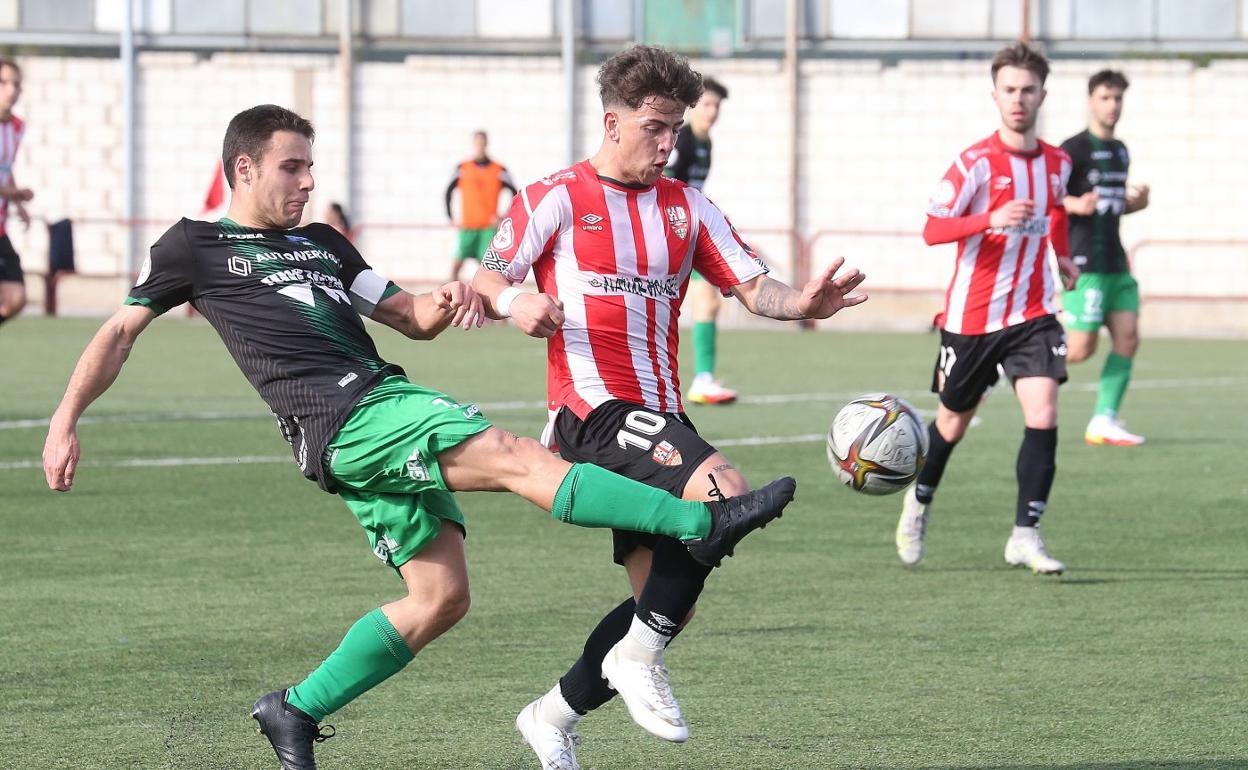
point(589, 496)
point(553, 739)
point(291, 732)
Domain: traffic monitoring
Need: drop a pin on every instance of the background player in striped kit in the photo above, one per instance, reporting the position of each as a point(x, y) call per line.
point(12, 279)
point(1001, 200)
point(480, 181)
point(1106, 292)
point(612, 242)
point(690, 162)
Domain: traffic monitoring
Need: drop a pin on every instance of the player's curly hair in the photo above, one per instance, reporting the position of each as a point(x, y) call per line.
point(638, 73)
point(1022, 56)
point(250, 130)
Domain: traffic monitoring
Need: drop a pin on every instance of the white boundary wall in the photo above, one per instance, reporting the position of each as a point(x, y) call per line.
point(874, 140)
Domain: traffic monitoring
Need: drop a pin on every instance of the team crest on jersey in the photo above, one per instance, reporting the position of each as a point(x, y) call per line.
point(678, 218)
point(505, 237)
point(666, 454)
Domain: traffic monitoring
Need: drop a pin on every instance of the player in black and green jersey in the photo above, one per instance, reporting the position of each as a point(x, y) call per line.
point(1106, 294)
point(690, 162)
point(288, 303)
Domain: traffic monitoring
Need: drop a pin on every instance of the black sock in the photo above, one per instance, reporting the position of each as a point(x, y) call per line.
point(583, 686)
point(672, 588)
point(938, 451)
point(1037, 462)
point(3, 318)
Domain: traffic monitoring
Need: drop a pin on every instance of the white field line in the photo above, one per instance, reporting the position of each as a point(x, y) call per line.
point(513, 406)
point(163, 462)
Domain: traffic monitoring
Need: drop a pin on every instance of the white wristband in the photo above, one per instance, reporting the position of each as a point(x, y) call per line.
point(505, 298)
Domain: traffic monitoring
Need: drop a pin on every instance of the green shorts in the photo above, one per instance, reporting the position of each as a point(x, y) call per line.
point(473, 243)
point(1095, 296)
point(385, 462)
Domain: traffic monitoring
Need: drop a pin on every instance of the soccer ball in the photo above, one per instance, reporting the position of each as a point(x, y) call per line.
point(877, 444)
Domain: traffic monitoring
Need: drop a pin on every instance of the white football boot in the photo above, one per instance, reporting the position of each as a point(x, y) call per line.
point(709, 391)
point(555, 748)
point(1026, 549)
point(647, 691)
point(1106, 430)
point(911, 528)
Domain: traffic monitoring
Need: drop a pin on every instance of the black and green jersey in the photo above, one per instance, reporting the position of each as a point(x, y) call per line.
point(690, 161)
point(1100, 165)
point(287, 305)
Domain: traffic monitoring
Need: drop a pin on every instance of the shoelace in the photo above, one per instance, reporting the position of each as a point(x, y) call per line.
point(661, 685)
point(322, 736)
point(566, 755)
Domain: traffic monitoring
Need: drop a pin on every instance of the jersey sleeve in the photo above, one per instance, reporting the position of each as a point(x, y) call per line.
point(719, 253)
point(1060, 223)
point(167, 278)
point(1077, 183)
point(947, 220)
point(364, 286)
point(527, 232)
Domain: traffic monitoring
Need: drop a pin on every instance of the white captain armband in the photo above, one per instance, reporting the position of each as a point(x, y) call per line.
point(505, 298)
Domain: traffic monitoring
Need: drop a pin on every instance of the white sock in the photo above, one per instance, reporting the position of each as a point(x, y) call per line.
point(1025, 532)
point(644, 642)
point(703, 378)
point(554, 708)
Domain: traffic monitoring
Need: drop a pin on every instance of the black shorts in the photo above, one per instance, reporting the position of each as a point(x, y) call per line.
point(1035, 348)
point(656, 448)
point(10, 263)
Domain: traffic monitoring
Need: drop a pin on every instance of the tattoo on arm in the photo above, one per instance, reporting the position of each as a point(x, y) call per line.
point(721, 468)
point(776, 300)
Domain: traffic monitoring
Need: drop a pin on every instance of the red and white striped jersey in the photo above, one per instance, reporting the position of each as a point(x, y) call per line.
point(619, 259)
point(11, 132)
point(1002, 276)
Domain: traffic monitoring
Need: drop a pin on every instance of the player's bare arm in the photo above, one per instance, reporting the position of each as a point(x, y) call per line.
point(425, 316)
point(537, 315)
point(821, 297)
point(1137, 198)
point(96, 370)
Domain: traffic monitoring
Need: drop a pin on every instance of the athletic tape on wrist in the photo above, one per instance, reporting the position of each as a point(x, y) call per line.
point(505, 298)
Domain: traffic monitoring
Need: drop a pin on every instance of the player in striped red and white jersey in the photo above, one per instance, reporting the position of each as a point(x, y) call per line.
point(611, 242)
point(1002, 202)
point(12, 280)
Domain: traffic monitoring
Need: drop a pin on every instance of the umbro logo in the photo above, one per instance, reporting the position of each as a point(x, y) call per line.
point(662, 621)
point(1002, 182)
point(591, 221)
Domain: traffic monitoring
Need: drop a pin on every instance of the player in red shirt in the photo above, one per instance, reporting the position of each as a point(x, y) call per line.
point(612, 243)
point(1001, 201)
point(12, 280)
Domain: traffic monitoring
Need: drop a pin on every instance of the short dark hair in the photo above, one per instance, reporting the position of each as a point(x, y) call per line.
point(714, 86)
point(638, 73)
point(249, 133)
point(1111, 78)
point(1022, 56)
point(7, 62)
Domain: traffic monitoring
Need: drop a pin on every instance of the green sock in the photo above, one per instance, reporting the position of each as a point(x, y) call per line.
point(592, 497)
point(704, 347)
point(1114, 379)
point(370, 653)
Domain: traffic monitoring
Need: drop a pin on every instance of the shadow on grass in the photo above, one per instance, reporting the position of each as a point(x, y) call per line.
point(1140, 575)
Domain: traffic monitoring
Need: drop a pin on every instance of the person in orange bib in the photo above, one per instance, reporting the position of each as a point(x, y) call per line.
point(480, 181)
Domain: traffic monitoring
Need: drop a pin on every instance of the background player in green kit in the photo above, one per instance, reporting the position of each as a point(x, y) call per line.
point(1105, 293)
point(288, 303)
point(690, 162)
